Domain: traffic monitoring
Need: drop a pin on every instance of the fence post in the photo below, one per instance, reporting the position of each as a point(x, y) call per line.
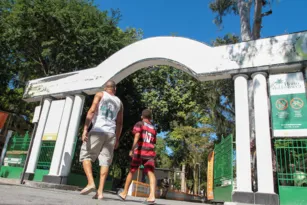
point(25, 141)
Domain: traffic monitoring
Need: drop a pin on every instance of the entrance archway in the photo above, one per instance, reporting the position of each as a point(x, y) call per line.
point(242, 61)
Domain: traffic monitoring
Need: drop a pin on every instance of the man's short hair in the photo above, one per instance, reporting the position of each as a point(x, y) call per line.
point(146, 114)
point(110, 85)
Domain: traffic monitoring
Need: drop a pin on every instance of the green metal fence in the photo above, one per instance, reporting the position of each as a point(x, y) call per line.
point(15, 156)
point(223, 170)
point(44, 160)
point(291, 163)
point(45, 156)
point(17, 150)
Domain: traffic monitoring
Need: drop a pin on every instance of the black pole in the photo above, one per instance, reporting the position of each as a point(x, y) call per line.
point(30, 146)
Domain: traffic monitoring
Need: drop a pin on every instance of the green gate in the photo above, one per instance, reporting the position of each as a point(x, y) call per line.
point(15, 156)
point(44, 160)
point(291, 164)
point(223, 170)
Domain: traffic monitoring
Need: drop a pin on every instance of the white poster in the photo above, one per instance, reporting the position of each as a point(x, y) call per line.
point(36, 114)
point(54, 120)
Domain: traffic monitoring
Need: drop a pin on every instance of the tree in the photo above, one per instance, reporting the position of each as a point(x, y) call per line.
point(177, 99)
point(250, 30)
point(43, 38)
point(226, 40)
point(221, 101)
point(162, 159)
point(171, 94)
point(189, 145)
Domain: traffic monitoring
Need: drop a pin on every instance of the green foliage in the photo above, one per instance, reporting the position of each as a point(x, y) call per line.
point(43, 38)
point(162, 158)
point(177, 184)
point(191, 146)
point(226, 40)
point(171, 94)
point(178, 101)
point(223, 8)
point(188, 144)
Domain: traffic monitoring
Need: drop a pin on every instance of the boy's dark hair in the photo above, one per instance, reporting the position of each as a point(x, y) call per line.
point(146, 114)
point(110, 85)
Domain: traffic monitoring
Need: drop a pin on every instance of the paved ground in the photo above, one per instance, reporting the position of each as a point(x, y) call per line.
point(21, 195)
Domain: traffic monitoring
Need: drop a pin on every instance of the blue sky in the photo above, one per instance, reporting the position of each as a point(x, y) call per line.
point(194, 19)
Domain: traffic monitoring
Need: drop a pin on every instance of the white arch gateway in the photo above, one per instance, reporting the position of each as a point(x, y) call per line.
point(253, 60)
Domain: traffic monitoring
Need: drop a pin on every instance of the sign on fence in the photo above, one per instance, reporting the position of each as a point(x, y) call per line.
point(288, 102)
point(12, 160)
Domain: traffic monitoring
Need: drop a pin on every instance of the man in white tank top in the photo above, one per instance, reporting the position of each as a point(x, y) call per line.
point(106, 116)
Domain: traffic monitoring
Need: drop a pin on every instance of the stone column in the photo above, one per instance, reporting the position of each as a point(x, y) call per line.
point(243, 193)
point(38, 139)
point(265, 194)
point(71, 136)
point(53, 176)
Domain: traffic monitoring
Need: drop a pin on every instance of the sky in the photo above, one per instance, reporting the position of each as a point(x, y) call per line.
point(193, 18)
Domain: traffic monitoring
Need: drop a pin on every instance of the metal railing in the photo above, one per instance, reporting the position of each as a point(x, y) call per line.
point(17, 150)
point(45, 156)
point(291, 161)
point(223, 170)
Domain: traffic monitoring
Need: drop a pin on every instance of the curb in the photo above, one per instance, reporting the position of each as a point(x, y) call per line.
point(236, 203)
point(41, 185)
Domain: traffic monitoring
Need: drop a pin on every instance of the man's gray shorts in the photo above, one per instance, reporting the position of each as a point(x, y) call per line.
point(101, 145)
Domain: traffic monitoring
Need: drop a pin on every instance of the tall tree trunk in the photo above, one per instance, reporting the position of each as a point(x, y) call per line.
point(257, 19)
point(251, 109)
point(244, 8)
point(195, 176)
point(183, 184)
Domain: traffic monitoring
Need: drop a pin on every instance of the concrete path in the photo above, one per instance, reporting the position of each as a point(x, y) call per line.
point(21, 195)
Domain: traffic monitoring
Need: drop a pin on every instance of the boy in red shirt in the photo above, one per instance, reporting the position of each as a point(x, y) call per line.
point(143, 153)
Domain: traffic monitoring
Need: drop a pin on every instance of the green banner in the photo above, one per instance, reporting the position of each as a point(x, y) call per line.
point(289, 111)
point(288, 105)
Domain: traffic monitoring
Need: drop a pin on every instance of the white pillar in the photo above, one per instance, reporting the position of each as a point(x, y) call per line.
point(263, 135)
point(243, 158)
point(59, 146)
point(72, 133)
point(38, 137)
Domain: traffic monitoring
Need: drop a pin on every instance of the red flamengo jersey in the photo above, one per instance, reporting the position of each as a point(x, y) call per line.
point(147, 141)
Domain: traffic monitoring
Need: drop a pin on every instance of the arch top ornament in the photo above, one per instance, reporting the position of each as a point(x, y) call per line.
point(195, 58)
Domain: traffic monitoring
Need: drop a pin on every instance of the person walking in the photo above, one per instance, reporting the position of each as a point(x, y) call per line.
point(106, 117)
point(143, 153)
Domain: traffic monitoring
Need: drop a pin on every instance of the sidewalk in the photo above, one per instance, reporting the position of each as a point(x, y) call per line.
point(34, 184)
point(24, 195)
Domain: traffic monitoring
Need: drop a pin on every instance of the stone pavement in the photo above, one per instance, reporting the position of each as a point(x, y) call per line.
point(22, 195)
